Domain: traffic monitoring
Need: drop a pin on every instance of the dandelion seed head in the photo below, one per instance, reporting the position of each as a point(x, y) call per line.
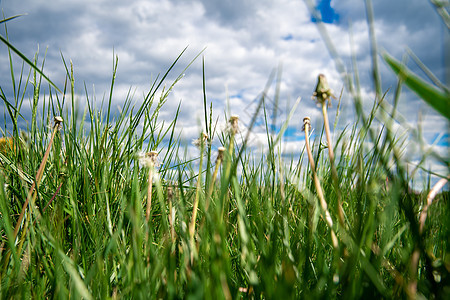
point(220, 154)
point(306, 122)
point(234, 120)
point(58, 122)
point(203, 139)
point(148, 159)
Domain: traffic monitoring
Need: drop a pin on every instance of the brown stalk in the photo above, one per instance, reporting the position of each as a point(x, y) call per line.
point(233, 130)
point(150, 159)
point(171, 220)
point(323, 203)
point(412, 286)
point(430, 197)
point(213, 180)
point(334, 174)
point(196, 200)
point(323, 95)
point(216, 171)
point(32, 192)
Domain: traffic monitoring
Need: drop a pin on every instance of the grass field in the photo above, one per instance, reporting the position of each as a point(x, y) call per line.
point(97, 203)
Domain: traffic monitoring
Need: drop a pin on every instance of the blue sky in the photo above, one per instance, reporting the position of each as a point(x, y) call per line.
point(328, 14)
point(243, 41)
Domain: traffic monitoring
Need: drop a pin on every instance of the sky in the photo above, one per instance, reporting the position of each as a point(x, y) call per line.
point(242, 43)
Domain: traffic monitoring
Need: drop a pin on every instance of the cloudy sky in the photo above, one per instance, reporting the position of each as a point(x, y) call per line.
point(243, 42)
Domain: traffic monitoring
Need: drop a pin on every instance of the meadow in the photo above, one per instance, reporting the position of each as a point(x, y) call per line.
point(106, 204)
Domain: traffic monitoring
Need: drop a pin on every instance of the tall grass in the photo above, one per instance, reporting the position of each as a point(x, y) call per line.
point(252, 227)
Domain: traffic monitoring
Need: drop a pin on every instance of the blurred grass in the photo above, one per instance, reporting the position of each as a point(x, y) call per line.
point(262, 236)
point(439, 99)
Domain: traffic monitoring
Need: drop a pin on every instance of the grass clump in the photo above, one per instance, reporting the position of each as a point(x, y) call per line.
point(82, 216)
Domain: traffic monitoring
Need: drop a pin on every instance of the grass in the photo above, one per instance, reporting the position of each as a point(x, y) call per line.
point(103, 224)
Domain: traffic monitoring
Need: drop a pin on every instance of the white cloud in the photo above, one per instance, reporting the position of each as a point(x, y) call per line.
point(244, 42)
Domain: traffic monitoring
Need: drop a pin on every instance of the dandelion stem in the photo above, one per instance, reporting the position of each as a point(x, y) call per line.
point(234, 127)
point(150, 161)
point(323, 203)
point(32, 192)
point(196, 200)
point(170, 198)
point(213, 180)
point(334, 175)
point(149, 193)
point(412, 286)
point(327, 131)
point(430, 197)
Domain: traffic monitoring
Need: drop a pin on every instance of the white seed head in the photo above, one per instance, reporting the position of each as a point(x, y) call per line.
point(169, 193)
point(203, 139)
point(149, 159)
point(58, 122)
point(234, 120)
point(306, 122)
point(220, 154)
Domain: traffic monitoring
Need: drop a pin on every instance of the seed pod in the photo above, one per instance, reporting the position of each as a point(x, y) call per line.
point(322, 91)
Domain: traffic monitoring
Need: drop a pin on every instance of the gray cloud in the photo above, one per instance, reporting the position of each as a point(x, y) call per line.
point(231, 13)
point(414, 24)
point(244, 40)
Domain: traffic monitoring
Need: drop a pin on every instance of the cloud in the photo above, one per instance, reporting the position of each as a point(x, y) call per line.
point(244, 42)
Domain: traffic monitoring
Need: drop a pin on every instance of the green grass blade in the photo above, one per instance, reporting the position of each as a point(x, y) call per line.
point(9, 105)
point(29, 62)
point(7, 226)
point(10, 18)
point(437, 99)
point(75, 276)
